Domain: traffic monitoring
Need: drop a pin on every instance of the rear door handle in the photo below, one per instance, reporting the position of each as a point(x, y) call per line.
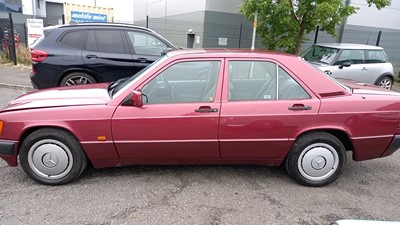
point(92, 56)
point(299, 107)
point(364, 69)
point(142, 60)
point(204, 109)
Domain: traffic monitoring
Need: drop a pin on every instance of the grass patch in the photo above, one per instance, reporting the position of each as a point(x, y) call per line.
point(23, 56)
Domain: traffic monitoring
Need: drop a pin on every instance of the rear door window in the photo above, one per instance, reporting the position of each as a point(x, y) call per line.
point(108, 41)
point(73, 39)
point(261, 80)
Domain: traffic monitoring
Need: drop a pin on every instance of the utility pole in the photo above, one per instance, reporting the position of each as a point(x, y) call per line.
point(34, 9)
point(341, 31)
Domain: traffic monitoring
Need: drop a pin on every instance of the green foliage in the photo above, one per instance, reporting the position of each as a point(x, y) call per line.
point(283, 23)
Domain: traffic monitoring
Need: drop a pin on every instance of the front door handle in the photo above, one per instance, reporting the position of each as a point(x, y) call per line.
point(297, 107)
point(364, 69)
point(142, 60)
point(204, 109)
point(92, 56)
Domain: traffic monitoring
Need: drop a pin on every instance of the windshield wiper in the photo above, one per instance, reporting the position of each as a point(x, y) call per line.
point(113, 86)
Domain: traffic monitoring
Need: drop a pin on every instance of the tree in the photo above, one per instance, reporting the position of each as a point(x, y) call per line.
point(282, 24)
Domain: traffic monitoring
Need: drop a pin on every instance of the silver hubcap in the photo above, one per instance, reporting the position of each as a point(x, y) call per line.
point(76, 80)
point(318, 162)
point(50, 159)
point(386, 83)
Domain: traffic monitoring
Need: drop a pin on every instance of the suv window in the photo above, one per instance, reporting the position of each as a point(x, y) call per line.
point(73, 39)
point(354, 56)
point(109, 41)
point(376, 56)
point(145, 44)
point(184, 82)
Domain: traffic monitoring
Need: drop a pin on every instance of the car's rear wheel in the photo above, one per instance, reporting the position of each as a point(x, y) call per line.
point(385, 82)
point(52, 156)
point(77, 78)
point(316, 159)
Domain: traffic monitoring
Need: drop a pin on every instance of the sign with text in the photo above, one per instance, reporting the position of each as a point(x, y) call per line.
point(35, 29)
point(84, 17)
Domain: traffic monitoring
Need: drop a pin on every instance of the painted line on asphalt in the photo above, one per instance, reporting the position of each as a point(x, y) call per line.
point(15, 86)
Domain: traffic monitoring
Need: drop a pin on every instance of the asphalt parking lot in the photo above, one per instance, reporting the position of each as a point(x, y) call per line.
point(200, 195)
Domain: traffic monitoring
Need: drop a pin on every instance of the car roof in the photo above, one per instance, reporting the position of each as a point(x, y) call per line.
point(349, 46)
point(100, 25)
point(223, 52)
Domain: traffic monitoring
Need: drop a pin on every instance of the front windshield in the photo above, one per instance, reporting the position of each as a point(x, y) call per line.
point(120, 88)
point(320, 54)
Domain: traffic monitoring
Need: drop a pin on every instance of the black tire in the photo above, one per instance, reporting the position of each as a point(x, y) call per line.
point(77, 78)
point(316, 159)
point(65, 159)
point(385, 82)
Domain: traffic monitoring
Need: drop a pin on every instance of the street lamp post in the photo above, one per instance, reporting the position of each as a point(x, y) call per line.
point(254, 30)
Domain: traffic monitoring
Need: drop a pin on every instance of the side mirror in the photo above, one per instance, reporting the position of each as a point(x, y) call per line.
point(165, 51)
point(136, 98)
point(345, 64)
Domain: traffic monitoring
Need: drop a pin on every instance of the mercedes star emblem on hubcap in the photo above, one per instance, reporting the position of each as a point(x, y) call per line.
point(318, 162)
point(50, 160)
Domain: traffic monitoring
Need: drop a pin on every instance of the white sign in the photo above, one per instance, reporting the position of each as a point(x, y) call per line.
point(223, 41)
point(35, 30)
point(198, 39)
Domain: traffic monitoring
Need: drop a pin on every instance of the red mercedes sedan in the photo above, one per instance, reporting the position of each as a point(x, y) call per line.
point(204, 107)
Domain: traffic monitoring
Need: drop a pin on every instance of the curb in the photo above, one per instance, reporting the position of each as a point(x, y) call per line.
point(18, 87)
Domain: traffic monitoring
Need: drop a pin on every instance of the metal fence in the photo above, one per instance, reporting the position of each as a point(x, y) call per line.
point(207, 35)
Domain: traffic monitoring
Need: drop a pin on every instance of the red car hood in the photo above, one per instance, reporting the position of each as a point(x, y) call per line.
point(365, 89)
point(94, 94)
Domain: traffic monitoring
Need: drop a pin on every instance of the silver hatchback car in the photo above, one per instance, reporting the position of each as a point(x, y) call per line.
point(364, 63)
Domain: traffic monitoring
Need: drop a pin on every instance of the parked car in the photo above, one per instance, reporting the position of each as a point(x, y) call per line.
point(364, 63)
point(204, 107)
point(92, 53)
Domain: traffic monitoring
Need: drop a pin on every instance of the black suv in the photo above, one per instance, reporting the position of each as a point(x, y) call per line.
point(89, 53)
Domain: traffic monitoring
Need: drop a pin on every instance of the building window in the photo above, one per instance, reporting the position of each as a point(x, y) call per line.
point(14, 6)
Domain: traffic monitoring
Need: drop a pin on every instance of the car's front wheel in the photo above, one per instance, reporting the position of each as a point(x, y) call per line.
point(77, 78)
point(52, 156)
point(316, 159)
point(385, 82)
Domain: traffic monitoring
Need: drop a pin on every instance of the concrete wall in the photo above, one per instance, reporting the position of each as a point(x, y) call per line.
point(165, 8)
point(230, 6)
point(219, 25)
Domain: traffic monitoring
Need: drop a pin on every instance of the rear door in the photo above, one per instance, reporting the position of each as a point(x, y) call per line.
point(106, 53)
point(264, 105)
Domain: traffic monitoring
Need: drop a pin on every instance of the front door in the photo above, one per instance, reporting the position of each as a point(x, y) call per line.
point(180, 116)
